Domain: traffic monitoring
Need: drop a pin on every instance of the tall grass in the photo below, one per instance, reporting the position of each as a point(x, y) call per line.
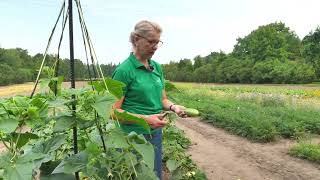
point(256, 116)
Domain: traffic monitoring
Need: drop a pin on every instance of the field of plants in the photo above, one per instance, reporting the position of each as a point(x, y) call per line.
point(260, 113)
point(38, 131)
point(37, 135)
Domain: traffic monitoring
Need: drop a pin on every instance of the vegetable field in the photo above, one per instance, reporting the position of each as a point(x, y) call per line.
point(259, 124)
point(37, 139)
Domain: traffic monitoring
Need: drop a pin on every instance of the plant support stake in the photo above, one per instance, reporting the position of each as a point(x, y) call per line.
point(72, 79)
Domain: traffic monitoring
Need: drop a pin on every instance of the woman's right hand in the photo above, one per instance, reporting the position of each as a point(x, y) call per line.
point(156, 121)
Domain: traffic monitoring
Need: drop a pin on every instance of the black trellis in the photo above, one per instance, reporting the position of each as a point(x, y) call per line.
point(97, 72)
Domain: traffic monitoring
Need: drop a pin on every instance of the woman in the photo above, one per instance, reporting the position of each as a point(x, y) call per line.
point(144, 94)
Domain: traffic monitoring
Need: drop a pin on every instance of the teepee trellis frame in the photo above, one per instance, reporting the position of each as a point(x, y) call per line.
point(96, 69)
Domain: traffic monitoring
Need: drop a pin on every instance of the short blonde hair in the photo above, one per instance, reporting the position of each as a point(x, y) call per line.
point(142, 28)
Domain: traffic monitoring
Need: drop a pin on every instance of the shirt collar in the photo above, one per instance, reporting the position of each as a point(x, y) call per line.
point(137, 64)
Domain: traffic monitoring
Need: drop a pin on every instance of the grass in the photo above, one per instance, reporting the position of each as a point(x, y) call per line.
point(17, 89)
point(26, 88)
point(259, 113)
point(307, 151)
point(252, 113)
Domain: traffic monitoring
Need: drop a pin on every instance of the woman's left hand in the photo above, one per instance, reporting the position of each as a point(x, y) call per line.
point(179, 111)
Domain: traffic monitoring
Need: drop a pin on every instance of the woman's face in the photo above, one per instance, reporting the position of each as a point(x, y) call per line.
point(147, 45)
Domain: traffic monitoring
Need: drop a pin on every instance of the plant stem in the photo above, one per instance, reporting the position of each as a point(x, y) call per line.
point(101, 134)
point(4, 143)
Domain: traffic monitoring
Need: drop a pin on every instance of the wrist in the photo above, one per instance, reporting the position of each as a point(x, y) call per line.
point(171, 107)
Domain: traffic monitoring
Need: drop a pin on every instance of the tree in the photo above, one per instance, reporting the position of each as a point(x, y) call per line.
point(311, 49)
point(11, 57)
point(198, 62)
point(272, 41)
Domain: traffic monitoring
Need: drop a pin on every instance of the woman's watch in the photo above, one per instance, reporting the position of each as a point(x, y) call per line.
point(171, 107)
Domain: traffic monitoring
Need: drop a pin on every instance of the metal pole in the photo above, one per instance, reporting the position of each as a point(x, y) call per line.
point(72, 79)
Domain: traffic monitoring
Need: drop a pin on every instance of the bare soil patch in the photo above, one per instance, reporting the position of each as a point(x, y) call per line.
point(223, 156)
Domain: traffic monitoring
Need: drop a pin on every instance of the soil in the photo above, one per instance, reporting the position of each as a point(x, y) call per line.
point(223, 156)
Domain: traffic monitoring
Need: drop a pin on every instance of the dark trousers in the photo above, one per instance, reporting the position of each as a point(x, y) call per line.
point(156, 141)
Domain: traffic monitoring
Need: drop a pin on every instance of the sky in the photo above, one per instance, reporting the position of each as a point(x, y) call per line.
point(190, 27)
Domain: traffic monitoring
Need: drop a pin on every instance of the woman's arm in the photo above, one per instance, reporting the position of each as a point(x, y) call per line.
point(170, 106)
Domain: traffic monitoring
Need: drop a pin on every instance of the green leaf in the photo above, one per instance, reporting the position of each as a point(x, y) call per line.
point(21, 101)
point(63, 123)
point(1, 174)
point(33, 112)
point(93, 149)
point(84, 124)
point(72, 164)
point(116, 139)
point(24, 138)
point(56, 82)
point(131, 158)
point(58, 102)
point(49, 145)
point(23, 167)
point(177, 174)
point(59, 176)
point(115, 87)
point(76, 92)
point(5, 160)
point(30, 157)
point(38, 102)
point(19, 171)
point(172, 165)
point(2, 112)
point(103, 104)
point(133, 136)
point(8, 125)
point(124, 116)
point(147, 153)
point(98, 86)
point(145, 173)
point(44, 82)
point(47, 167)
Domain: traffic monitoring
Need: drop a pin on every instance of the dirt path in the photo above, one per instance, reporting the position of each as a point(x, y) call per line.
point(223, 156)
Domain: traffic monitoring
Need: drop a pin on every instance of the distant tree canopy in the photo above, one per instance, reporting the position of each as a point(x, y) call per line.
point(270, 54)
point(17, 66)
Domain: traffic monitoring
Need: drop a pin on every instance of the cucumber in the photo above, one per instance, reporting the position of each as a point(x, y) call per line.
point(191, 112)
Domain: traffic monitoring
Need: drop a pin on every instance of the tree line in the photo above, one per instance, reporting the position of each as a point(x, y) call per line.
point(270, 54)
point(17, 66)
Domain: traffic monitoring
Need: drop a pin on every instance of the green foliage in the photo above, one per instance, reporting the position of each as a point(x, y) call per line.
point(103, 104)
point(104, 150)
point(270, 54)
point(179, 164)
point(7, 74)
point(307, 151)
point(274, 40)
point(17, 66)
point(113, 86)
point(311, 49)
point(256, 116)
point(124, 116)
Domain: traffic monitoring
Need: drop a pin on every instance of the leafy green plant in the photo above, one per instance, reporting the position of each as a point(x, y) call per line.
point(37, 133)
point(176, 161)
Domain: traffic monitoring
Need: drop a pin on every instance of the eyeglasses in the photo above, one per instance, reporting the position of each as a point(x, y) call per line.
point(152, 43)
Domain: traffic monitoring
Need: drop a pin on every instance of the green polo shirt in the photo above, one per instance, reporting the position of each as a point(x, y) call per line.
point(143, 90)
